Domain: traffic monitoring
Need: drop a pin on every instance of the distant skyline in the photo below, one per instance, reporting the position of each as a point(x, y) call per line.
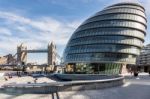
point(38, 22)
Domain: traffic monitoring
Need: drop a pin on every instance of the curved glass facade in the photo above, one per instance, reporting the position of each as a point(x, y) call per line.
point(105, 41)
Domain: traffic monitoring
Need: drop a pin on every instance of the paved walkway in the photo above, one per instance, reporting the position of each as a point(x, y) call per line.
point(134, 88)
point(24, 80)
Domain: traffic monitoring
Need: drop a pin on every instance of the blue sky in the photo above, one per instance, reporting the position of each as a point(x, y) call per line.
point(37, 22)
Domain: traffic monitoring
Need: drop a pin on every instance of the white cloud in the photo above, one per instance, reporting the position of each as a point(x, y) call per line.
point(36, 33)
point(5, 31)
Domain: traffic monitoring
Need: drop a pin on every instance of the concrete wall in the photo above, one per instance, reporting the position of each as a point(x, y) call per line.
point(63, 86)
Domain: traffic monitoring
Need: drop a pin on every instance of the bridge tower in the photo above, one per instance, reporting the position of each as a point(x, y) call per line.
point(51, 54)
point(21, 54)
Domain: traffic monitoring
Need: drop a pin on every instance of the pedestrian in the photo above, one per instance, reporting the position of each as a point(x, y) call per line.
point(35, 80)
point(5, 79)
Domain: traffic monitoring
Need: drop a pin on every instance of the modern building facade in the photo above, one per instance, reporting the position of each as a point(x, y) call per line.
point(144, 57)
point(107, 41)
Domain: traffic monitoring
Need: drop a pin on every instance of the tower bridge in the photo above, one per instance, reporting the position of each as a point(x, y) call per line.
point(22, 52)
point(36, 51)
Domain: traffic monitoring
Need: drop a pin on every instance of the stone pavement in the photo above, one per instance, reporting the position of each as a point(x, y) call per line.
point(134, 88)
point(24, 80)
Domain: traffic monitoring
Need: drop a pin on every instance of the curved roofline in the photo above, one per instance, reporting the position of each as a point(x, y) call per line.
point(125, 3)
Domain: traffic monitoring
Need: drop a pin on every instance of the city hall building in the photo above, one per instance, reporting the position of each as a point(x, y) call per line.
point(107, 41)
